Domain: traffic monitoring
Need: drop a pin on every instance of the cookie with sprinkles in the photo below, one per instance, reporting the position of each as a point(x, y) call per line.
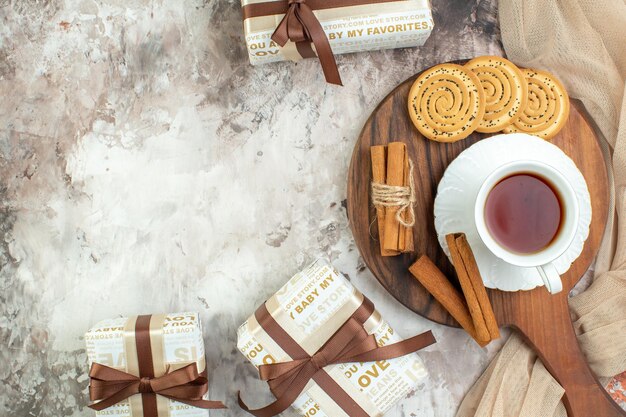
point(547, 108)
point(446, 103)
point(505, 88)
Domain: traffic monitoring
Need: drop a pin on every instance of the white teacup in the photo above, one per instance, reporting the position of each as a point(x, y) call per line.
point(542, 259)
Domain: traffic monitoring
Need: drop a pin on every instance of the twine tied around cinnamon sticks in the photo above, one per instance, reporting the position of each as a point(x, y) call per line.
point(401, 197)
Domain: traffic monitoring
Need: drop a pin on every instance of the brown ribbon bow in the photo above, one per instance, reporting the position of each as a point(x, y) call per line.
point(109, 386)
point(300, 26)
point(351, 343)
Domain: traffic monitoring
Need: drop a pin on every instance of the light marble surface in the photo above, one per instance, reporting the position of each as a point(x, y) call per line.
point(147, 167)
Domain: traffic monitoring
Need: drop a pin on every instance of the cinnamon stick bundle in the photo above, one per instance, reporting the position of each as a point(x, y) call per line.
point(472, 309)
point(391, 167)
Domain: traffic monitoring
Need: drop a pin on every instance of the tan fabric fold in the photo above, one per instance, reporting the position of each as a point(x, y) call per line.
point(514, 384)
point(582, 42)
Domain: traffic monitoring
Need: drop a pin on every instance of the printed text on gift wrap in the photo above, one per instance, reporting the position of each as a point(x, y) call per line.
point(312, 298)
point(353, 34)
point(177, 325)
point(302, 304)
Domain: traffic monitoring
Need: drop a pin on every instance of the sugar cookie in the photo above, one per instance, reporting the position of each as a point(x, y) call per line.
point(505, 88)
point(446, 103)
point(547, 108)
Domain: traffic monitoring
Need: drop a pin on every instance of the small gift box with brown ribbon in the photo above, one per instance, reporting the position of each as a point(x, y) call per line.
point(325, 351)
point(278, 30)
point(149, 366)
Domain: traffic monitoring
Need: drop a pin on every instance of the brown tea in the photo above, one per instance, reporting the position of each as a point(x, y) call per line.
point(523, 213)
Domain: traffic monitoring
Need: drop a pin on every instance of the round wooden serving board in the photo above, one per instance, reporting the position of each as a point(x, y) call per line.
point(543, 320)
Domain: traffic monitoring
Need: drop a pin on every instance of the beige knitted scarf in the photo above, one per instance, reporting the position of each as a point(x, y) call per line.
point(583, 42)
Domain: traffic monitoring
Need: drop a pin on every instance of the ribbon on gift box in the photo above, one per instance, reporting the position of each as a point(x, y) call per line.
point(351, 343)
point(301, 26)
point(148, 383)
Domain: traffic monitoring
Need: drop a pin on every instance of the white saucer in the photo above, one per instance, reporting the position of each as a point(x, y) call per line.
point(456, 194)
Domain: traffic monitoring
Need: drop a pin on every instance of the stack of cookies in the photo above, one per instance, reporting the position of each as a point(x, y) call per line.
point(488, 94)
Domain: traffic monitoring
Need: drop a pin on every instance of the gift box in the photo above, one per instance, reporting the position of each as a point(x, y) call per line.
point(308, 342)
point(150, 366)
point(279, 30)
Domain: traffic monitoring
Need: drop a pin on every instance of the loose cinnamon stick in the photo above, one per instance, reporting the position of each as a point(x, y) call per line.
point(395, 176)
point(379, 173)
point(473, 305)
point(436, 283)
point(477, 283)
point(409, 245)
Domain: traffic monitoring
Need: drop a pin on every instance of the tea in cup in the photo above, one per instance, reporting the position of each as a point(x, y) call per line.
point(526, 213)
